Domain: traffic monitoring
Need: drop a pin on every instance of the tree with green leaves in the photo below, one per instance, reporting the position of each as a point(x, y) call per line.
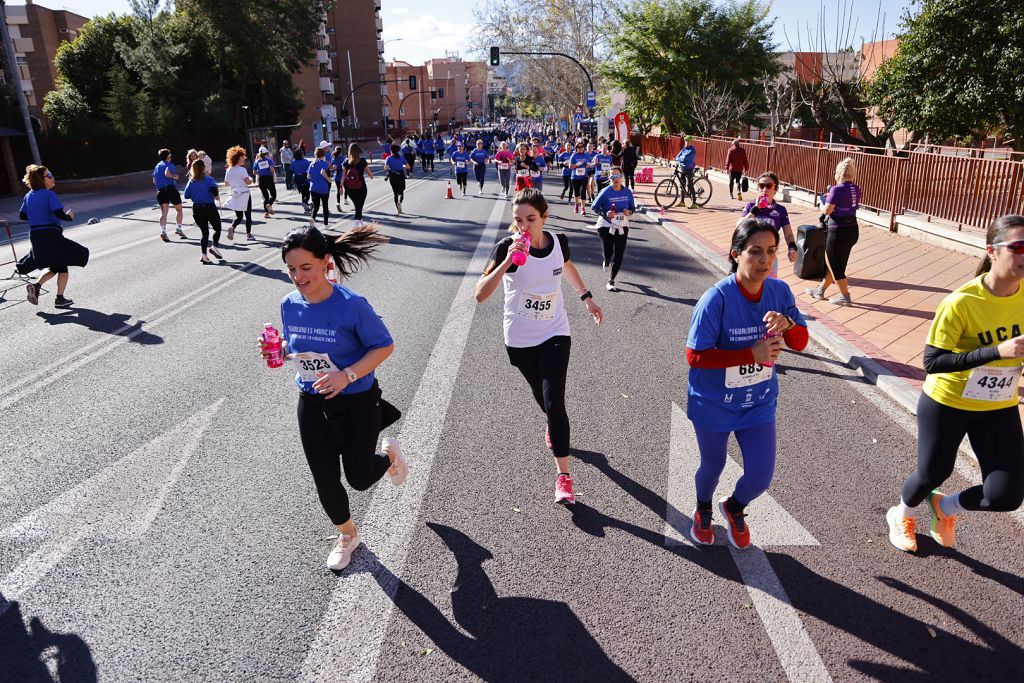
point(669, 52)
point(957, 72)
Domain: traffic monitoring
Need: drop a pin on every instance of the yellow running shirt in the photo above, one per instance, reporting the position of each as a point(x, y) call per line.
point(967, 319)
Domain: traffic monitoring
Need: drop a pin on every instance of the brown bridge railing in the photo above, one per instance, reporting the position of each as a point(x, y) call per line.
point(967, 192)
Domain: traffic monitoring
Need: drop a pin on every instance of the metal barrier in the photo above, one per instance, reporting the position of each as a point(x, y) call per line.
point(9, 239)
point(965, 191)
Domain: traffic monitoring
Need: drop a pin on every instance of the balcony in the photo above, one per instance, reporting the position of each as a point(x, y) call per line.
point(380, 47)
point(326, 86)
point(380, 24)
point(321, 57)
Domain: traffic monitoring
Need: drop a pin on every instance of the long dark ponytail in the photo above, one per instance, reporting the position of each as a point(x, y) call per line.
point(349, 250)
point(997, 233)
point(744, 231)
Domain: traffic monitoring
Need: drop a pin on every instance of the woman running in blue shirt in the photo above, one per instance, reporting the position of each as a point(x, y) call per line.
point(202, 190)
point(735, 337)
point(396, 167)
point(42, 210)
point(320, 185)
point(613, 206)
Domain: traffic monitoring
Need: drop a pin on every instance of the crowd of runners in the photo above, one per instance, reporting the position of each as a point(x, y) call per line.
point(739, 329)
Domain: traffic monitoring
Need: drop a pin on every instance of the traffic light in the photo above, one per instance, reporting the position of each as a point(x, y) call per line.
point(495, 56)
point(412, 82)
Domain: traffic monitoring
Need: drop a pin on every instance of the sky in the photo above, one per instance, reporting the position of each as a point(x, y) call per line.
point(417, 30)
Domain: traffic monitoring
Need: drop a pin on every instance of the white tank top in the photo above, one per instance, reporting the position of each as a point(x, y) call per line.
point(534, 305)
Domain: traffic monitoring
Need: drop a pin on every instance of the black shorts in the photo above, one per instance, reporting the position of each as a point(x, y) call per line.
point(168, 194)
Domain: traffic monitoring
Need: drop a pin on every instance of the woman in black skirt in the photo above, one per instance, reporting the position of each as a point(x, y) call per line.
point(50, 248)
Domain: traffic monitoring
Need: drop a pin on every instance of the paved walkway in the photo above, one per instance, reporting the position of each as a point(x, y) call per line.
point(896, 284)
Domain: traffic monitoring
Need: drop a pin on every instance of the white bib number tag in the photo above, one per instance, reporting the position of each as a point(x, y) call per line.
point(740, 376)
point(503, 166)
point(605, 167)
point(995, 384)
point(523, 173)
point(310, 365)
point(535, 174)
point(537, 306)
point(460, 164)
point(579, 171)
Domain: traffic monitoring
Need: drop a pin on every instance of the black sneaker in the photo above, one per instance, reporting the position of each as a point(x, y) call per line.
point(216, 254)
point(33, 293)
point(62, 302)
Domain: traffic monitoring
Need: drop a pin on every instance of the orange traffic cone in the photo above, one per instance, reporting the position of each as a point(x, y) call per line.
point(332, 274)
point(448, 194)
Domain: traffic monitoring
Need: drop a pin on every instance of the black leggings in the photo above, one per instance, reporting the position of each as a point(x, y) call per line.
point(247, 215)
point(997, 439)
point(613, 248)
point(545, 368)
point(303, 188)
point(347, 426)
point(206, 215)
point(269, 190)
point(630, 179)
point(460, 180)
point(838, 245)
point(358, 198)
point(397, 181)
point(737, 178)
point(567, 186)
point(321, 200)
point(480, 171)
point(579, 189)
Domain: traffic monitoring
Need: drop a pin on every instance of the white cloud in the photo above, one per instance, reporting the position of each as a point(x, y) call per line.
point(425, 36)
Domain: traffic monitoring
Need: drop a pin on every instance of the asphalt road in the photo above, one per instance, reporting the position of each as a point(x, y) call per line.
point(158, 523)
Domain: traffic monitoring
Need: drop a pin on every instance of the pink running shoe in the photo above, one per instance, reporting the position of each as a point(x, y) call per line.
point(563, 490)
point(547, 437)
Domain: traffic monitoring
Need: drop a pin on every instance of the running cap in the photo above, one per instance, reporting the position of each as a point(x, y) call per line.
point(324, 144)
point(263, 149)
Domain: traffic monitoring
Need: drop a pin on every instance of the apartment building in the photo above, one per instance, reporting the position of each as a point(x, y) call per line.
point(36, 33)
point(448, 91)
point(341, 88)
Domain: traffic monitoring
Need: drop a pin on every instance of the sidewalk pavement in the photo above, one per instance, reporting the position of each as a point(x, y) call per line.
point(84, 204)
point(896, 284)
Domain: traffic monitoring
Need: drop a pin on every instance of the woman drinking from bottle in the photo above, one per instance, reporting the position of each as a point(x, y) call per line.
point(736, 335)
point(765, 207)
point(973, 356)
point(536, 327)
point(337, 341)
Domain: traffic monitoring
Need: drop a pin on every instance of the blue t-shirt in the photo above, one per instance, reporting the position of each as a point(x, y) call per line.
point(776, 213)
point(590, 157)
point(300, 167)
point(687, 157)
point(622, 199)
point(201, 191)
point(317, 183)
point(428, 146)
point(562, 158)
point(39, 206)
point(846, 198)
point(579, 158)
point(604, 159)
point(480, 156)
point(344, 326)
point(541, 162)
point(264, 167)
point(162, 180)
point(395, 164)
point(460, 156)
point(725, 319)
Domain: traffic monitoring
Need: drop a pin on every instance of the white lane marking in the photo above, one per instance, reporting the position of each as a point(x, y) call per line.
point(16, 391)
point(348, 641)
point(773, 527)
point(120, 501)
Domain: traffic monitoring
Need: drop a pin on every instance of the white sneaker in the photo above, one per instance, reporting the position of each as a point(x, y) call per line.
point(611, 287)
point(179, 232)
point(341, 553)
point(399, 470)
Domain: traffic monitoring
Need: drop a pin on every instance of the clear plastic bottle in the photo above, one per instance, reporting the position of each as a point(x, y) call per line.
point(274, 346)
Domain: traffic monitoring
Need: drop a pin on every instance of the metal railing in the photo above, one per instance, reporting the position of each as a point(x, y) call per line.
point(967, 192)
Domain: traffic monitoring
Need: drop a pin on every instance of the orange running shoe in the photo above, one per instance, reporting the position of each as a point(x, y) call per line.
point(943, 525)
point(902, 530)
point(736, 525)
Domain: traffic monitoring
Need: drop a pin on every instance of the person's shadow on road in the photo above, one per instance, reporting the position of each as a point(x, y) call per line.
point(510, 638)
point(115, 324)
point(35, 654)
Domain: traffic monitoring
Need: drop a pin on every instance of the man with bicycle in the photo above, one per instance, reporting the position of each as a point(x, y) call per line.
point(687, 163)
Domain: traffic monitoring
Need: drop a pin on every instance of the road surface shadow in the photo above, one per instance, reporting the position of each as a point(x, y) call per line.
point(257, 270)
point(930, 653)
point(115, 324)
point(35, 654)
point(510, 638)
point(647, 290)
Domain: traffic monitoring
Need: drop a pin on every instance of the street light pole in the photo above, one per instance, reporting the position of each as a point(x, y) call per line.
point(16, 78)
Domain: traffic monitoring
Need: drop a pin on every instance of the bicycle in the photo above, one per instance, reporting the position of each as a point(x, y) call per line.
point(670, 190)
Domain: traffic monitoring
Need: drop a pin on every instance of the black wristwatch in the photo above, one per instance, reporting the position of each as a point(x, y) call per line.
point(586, 295)
point(791, 245)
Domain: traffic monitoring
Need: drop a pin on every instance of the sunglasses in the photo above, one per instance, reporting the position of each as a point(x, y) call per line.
point(50, 176)
point(766, 186)
point(1016, 247)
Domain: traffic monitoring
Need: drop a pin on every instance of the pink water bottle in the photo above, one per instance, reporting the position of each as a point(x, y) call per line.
point(611, 214)
point(763, 201)
point(273, 339)
point(771, 362)
point(519, 258)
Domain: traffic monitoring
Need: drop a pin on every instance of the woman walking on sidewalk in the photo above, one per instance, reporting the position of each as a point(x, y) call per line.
point(536, 326)
point(337, 341)
point(735, 338)
point(353, 170)
point(237, 178)
point(613, 206)
point(630, 160)
point(202, 190)
point(840, 214)
point(766, 208)
point(43, 211)
point(973, 356)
